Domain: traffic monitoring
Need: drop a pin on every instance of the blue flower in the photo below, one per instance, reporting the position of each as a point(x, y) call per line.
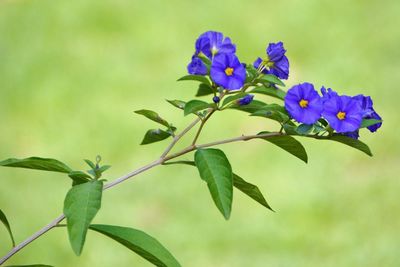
point(354, 135)
point(227, 71)
point(211, 43)
point(368, 111)
point(343, 113)
point(276, 62)
point(327, 93)
point(303, 103)
point(197, 67)
point(245, 100)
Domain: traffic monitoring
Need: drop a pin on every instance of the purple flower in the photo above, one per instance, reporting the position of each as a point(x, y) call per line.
point(197, 67)
point(368, 111)
point(227, 71)
point(343, 113)
point(354, 135)
point(327, 93)
point(245, 100)
point(211, 43)
point(276, 63)
point(303, 103)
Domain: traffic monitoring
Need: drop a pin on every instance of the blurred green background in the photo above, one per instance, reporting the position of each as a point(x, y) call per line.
point(72, 73)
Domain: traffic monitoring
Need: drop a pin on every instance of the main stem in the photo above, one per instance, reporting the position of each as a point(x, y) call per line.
point(163, 158)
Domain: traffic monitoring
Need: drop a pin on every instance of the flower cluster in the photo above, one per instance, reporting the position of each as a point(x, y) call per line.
point(215, 57)
point(226, 70)
point(343, 113)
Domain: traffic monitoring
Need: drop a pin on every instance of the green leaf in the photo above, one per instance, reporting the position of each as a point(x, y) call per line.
point(155, 135)
point(3, 219)
point(204, 89)
point(139, 242)
point(357, 144)
point(232, 98)
point(270, 91)
point(177, 103)
point(90, 163)
point(289, 144)
point(80, 207)
point(79, 177)
point(215, 169)
point(30, 265)
point(195, 105)
point(251, 73)
point(238, 182)
point(250, 190)
point(369, 122)
point(152, 115)
point(198, 78)
point(272, 111)
point(254, 106)
point(270, 78)
point(304, 129)
point(36, 163)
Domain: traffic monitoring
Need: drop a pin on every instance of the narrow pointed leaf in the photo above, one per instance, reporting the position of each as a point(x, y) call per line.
point(215, 169)
point(238, 182)
point(195, 105)
point(36, 163)
point(152, 115)
point(270, 78)
point(369, 122)
point(357, 144)
point(270, 91)
point(289, 144)
point(232, 98)
point(3, 219)
point(155, 135)
point(251, 190)
point(177, 103)
point(30, 265)
point(254, 106)
point(139, 242)
point(198, 78)
point(204, 89)
point(80, 207)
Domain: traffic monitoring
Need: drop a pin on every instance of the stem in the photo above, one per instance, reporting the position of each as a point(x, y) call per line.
point(164, 158)
point(201, 126)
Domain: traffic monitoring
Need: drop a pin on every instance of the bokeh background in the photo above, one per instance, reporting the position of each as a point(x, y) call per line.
point(72, 73)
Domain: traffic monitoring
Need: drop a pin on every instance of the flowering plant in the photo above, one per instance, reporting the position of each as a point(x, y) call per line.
point(228, 84)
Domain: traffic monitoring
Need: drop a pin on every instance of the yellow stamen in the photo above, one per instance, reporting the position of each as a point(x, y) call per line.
point(229, 71)
point(341, 115)
point(303, 103)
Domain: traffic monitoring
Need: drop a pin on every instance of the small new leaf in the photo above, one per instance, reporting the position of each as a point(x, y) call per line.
point(3, 219)
point(139, 242)
point(304, 129)
point(155, 135)
point(152, 115)
point(36, 163)
point(80, 207)
point(215, 169)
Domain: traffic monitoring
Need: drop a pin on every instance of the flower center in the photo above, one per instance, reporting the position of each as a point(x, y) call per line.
point(229, 71)
point(303, 103)
point(341, 115)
